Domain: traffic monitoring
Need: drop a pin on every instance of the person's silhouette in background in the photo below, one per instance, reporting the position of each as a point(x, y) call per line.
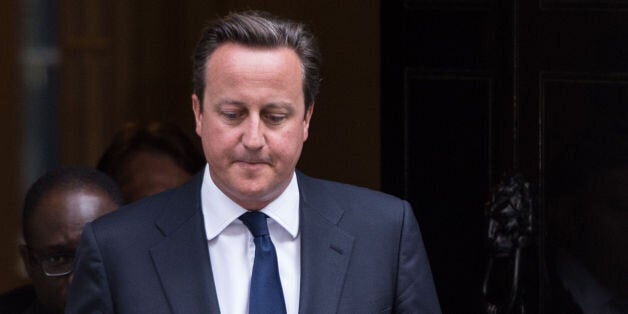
point(148, 159)
point(56, 208)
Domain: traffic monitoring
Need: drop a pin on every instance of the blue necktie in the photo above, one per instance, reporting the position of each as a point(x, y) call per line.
point(266, 295)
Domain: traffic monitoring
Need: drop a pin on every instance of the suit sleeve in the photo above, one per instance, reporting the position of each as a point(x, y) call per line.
point(415, 286)
point(89, 291)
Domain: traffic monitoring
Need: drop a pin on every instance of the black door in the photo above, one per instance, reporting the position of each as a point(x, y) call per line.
point(475, 89)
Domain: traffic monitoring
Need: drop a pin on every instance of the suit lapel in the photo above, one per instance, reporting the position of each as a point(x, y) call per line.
point(182, 258)
point(325, 250)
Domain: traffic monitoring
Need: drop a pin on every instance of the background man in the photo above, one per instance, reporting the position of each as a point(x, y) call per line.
point(145, 159)
point(249, 233)
point(56, 208)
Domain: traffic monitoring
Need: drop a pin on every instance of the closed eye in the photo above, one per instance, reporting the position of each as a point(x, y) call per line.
point(274, 118)
point(232, 116)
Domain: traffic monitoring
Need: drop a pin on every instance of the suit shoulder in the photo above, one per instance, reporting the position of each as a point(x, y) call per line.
point(364, 213)
point(348, 194)
point(143, 213)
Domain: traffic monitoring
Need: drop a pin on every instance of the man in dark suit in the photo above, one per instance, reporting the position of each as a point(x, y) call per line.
point(250, 234)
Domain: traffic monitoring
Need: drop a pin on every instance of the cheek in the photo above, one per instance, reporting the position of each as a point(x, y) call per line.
point(288, 144)
point(212, 132)
point(218, 144)
point(50, 287)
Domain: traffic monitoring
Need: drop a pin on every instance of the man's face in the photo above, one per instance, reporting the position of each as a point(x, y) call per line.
point(56, 227)
point(253, 121)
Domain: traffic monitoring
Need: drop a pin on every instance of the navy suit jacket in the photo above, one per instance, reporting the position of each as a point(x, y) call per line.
point(361, 252)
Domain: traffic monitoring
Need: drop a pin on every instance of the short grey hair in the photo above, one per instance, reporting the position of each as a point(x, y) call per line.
point(259, 29)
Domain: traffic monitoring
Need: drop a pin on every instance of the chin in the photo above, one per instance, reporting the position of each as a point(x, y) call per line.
point(254, 197)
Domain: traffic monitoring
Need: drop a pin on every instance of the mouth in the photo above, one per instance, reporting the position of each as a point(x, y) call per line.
point(252, 163)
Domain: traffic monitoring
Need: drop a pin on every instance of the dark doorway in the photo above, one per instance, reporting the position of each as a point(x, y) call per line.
point(472, 89)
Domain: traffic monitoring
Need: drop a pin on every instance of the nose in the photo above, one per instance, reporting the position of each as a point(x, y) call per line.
point(253, 137)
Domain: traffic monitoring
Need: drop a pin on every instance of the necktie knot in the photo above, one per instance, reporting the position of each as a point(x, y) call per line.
point(256, 222)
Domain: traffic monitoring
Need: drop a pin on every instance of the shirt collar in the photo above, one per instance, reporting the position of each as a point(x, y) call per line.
point(219, 211)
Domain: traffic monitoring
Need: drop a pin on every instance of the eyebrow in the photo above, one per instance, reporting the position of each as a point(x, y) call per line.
point(53, 249)
point(279, 105)
point(224, 102)
point(271, 105)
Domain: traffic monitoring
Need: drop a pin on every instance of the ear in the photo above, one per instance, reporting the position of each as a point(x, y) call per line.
point(198, 114)
point(26, 259)
point(306, 121)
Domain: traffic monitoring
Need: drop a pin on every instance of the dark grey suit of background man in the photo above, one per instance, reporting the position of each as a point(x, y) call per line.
point(256, 77)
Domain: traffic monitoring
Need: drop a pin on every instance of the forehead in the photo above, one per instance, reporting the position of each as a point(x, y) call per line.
point(66, 208)
point(238, 58)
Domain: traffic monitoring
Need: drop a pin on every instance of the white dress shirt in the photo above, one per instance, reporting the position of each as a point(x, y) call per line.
point(232, 250)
